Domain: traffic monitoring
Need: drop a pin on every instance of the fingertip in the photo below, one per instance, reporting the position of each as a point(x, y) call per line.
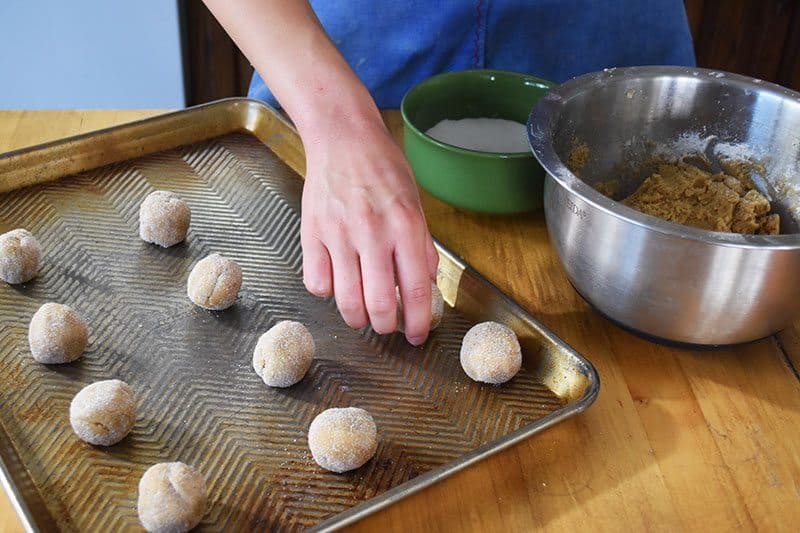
point(355, 322)
point(433, 258)
point(382, 329)
point(377, 270)
point(417, 340)
point(383, 319)
point(415, 289)
point(317, 288)
point(347, 288)
point(351, 306)
point(317, 270)
point(416, 311)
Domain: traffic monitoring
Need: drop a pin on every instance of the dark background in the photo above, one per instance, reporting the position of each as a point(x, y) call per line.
point(759, 38)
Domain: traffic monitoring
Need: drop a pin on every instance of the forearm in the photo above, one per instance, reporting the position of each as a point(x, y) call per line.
point(362, 221)
point(289, 48)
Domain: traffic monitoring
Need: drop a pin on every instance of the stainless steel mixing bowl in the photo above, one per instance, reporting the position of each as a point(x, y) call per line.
point(658, 278)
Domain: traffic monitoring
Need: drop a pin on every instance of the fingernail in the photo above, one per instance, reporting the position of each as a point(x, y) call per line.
point(416, 341)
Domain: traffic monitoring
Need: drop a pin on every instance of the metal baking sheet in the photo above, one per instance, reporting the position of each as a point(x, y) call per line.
point(199, 401)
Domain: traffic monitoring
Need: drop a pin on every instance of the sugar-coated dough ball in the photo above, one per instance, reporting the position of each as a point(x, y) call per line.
point(164, 219)
point(214, 282)
point(490, 353)
point(283, 354)
point(343, 439)
point(57, 334)
point(437, 307)
point(103, 413)
point(20, 256)
point(172, 498)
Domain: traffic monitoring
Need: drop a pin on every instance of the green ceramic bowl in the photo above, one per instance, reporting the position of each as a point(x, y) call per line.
point(478, 181)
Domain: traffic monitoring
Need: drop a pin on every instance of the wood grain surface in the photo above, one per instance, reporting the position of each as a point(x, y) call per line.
point(678, 439)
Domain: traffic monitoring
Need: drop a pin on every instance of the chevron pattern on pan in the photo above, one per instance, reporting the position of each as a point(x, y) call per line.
point(199, 399)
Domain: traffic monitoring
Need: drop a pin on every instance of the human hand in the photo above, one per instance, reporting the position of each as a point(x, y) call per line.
point(362, 220)
point(362, 223)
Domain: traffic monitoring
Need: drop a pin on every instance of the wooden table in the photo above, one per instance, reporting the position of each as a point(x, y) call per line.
point(677, 440)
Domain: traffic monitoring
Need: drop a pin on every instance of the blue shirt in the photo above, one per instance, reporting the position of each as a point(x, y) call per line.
point(393, 44)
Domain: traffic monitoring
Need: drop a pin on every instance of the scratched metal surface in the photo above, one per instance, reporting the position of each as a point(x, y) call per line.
point(199, 400)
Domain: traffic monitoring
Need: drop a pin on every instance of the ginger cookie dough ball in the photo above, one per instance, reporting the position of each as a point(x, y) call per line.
point(20, 256)
point(164, 219)
point(437, 307)
point(57, 334)
point(214, 282)
point(343, 439)
point(283, 354)
point(172, 498)
point(103, 413)
point(490, 353)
